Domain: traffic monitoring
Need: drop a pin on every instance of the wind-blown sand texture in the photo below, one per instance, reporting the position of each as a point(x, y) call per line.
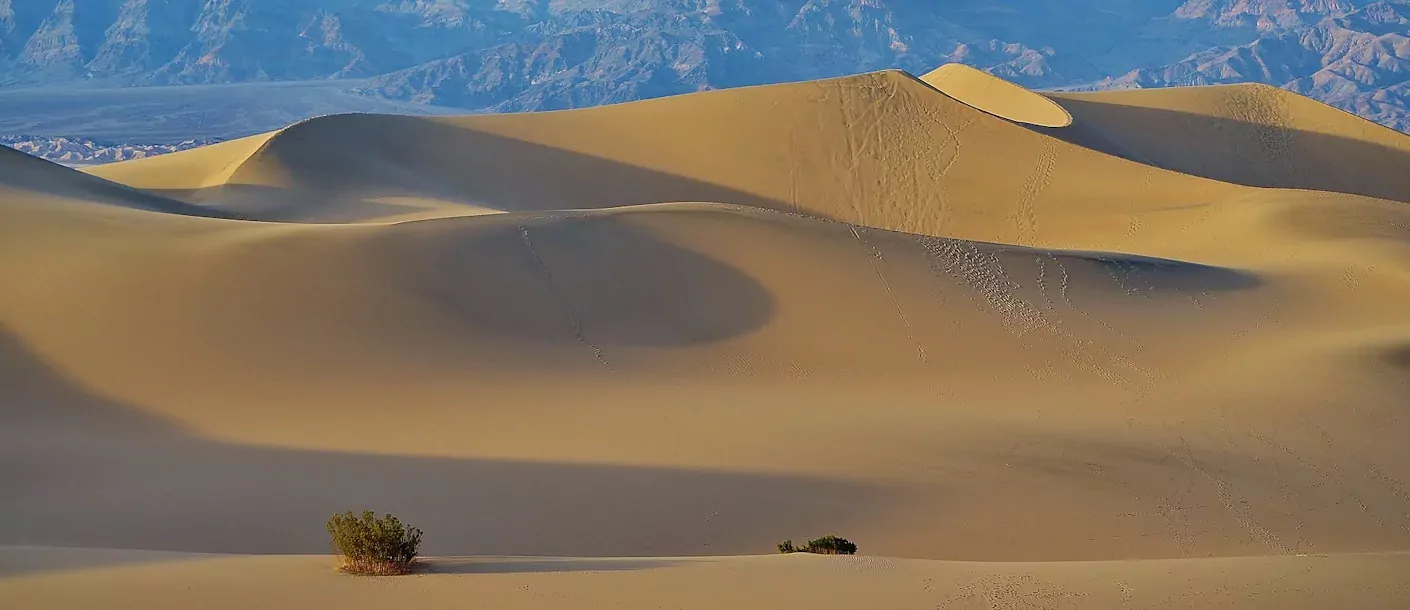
point(1148, 360)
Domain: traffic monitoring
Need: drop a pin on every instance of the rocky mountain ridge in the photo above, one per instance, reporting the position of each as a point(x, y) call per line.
point(1354, 57)
point(518, 55)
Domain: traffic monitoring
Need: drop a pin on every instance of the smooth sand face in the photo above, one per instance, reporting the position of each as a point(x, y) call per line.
point(696, 326)
point(997, 96)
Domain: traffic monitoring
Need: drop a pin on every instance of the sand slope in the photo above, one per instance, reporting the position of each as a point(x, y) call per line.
point(1355, 581)
point(699, 325)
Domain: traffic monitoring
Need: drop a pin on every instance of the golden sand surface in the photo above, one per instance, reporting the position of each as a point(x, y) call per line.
point(1158, 357)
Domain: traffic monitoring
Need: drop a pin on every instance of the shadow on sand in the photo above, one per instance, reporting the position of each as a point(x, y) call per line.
point(81, 471)
point(1267, 155)
point(344, 164)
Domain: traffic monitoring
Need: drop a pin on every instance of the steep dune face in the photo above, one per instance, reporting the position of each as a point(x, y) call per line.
point(697, 324)
point(1246, 134)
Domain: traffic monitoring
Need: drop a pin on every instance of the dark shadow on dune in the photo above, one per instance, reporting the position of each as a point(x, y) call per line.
point(358, 157)
point(23, 171)
point(466, 285)
point(81, 471)
point(1398, 356)
point(1237, 151)
point(1156, 276)
point(573, 278)
point(272, 204)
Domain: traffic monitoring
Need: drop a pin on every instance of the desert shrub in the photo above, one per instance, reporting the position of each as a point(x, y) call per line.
point(827, 545)
point(370, 545)
point(830, 545)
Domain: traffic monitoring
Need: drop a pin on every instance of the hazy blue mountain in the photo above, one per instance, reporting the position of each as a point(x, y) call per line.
point(172, 114)
point(514, 55)
point(1354, 55)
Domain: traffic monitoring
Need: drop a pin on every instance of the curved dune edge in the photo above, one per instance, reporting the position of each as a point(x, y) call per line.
point(997, 96)
point(1249, 134)
point(203, 167)
point(24, 177)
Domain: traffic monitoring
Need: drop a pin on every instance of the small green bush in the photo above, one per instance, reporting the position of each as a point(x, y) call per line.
point(827, 545)
point(830, 545)
point(370, 545)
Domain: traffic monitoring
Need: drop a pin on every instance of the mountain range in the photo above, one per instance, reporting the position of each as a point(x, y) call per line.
point(527, 55)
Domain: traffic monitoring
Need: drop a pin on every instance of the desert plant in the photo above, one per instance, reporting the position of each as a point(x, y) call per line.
point(827, 545)
point(370, 545)
point(830, 545)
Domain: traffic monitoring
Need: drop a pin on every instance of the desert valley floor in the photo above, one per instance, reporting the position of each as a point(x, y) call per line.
point(1134, 349)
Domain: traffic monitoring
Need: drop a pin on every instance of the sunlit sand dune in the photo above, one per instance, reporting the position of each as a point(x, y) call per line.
point(696, 326)
point(996, 96)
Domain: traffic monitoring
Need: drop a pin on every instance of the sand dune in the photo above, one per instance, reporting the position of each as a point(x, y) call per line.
point(922, 162)
point(698, 325)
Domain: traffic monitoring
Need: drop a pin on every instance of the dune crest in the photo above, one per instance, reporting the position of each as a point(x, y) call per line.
point(996, 96)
